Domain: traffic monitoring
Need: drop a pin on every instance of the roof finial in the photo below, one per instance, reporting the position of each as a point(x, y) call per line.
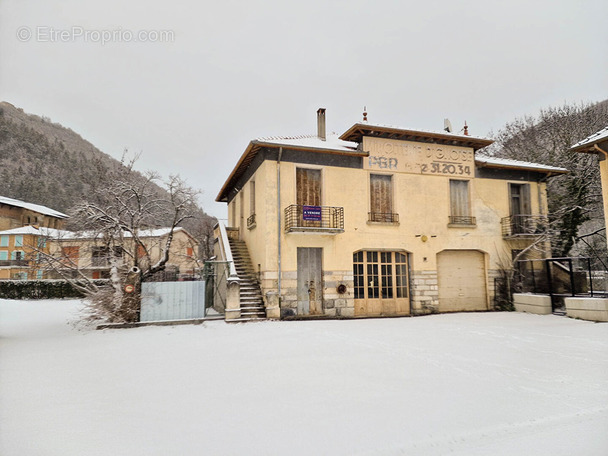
point(466, 129)
point(364, 113)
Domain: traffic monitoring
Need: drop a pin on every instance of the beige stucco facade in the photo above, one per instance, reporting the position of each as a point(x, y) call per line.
point(418, 259)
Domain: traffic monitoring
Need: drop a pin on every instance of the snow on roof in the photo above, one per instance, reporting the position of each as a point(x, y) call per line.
point(68, 235)
point(592, 139)
point(509, 163)
point(432, 132)
point(32, 207)
point(332, 142)
point(36, 231)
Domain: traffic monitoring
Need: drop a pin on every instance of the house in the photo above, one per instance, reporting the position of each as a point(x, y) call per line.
point(15, 213)
point(598, 144)
point(20, 251)
point(25, 253)
point(378, 221)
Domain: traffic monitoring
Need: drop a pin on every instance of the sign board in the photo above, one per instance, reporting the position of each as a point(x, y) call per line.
point(311, 213)
point(418, 158)
point(129, 288)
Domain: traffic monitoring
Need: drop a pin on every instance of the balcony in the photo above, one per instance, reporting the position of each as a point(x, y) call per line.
point(14, 263)
point(462, 220)
point(523, 226)
point(382, 217)
point(314, 219)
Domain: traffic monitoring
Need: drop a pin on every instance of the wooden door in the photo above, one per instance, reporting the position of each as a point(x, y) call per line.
point(310, 283)
point(462, 280)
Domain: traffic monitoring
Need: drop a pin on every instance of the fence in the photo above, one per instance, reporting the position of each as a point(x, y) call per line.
point(172, 301)
point(561, 278)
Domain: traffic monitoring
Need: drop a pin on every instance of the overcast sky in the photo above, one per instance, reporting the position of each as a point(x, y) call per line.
point(189, 83)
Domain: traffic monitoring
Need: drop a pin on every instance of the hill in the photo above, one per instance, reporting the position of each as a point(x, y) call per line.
point(45, 163)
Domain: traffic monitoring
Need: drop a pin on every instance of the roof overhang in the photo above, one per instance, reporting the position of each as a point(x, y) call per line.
point(254, 148)
point(549, 171)
point(359, 130)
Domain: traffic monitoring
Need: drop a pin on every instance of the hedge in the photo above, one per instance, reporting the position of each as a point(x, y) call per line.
point(42, 289)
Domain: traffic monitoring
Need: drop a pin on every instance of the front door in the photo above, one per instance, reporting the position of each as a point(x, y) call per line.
point(310, 283)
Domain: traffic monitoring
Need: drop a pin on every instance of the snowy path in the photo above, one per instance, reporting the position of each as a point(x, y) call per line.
point(462, 384)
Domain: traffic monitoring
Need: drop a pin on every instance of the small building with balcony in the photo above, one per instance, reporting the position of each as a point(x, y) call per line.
point(380, 220)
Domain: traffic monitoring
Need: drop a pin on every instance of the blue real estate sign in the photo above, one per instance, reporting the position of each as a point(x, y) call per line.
point(311, 213)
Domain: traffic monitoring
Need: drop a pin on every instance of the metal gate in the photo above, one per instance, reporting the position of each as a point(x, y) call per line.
point(215, 275)
point(162, 301)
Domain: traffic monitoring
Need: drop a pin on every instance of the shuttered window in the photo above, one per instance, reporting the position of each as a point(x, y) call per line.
point(308, 187)
point(381, 198)
point(459, 198)
point(252, 198)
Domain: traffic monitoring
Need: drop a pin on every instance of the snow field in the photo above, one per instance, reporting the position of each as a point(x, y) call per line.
point(463, 384)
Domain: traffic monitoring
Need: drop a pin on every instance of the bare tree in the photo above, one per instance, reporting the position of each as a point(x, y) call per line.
point(120, 215)
point(574, 198)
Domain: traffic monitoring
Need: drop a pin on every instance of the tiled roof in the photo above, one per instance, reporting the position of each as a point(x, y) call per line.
point(332, 142)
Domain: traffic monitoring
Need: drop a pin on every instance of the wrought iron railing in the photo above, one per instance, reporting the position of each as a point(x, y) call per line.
point(314, 218)
point(383, 217)
point(462, 220)
point(251, 221)
point(523, 225)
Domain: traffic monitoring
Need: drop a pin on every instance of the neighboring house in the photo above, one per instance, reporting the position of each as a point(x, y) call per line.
point(85, 254)
point(20, 251)
point(15, 213)
point(380, 221)
point(598, 144)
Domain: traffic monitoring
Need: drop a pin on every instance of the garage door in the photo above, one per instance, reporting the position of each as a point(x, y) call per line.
point(462, 280)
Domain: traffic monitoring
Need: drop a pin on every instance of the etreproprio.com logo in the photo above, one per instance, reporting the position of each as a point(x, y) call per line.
point(47, 34)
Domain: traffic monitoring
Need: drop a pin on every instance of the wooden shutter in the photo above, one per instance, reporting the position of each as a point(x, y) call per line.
point(459, 198)
point(308, 187)
point(381, 194)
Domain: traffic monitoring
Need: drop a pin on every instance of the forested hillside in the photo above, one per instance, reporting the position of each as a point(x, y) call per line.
point(45, 163)
point(575, 200)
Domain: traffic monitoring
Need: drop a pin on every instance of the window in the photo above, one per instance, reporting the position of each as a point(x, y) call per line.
point(380, 275)
point(381, 198)
point(70, 254)
point(3, 255)
point(41, 242)
point(17, 255)
point(252, 198)
point(19, 240)
point(189, 251)
point(4, 240)
point(39, 275)
point(460, 210)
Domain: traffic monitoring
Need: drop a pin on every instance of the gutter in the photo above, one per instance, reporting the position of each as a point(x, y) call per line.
point(279, 220)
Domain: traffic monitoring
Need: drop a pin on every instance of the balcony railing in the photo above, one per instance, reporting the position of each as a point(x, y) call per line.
point(322, 219)
point(4, 263)
point(382, 217)
point(251, 221)
point(462, 220)
point(522, 226)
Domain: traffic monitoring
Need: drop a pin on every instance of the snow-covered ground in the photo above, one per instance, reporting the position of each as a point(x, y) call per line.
point(462, 384)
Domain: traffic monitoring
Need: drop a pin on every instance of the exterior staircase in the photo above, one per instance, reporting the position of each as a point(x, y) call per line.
point(252, 305)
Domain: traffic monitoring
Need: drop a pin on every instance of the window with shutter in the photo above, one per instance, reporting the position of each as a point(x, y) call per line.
point(460, 209)
point(381, 198)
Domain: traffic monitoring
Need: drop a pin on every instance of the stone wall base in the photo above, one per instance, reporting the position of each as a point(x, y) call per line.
point(424, 290)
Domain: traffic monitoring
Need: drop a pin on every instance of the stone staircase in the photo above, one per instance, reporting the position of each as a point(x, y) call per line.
point(252, 305)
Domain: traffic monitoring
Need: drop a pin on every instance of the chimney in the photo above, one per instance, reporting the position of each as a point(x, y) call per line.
point(321, 124)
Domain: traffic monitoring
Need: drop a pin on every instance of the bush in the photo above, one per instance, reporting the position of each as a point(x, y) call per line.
point(42, 289)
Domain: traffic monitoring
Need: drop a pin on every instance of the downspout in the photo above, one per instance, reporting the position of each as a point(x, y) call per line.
point(279, 220)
